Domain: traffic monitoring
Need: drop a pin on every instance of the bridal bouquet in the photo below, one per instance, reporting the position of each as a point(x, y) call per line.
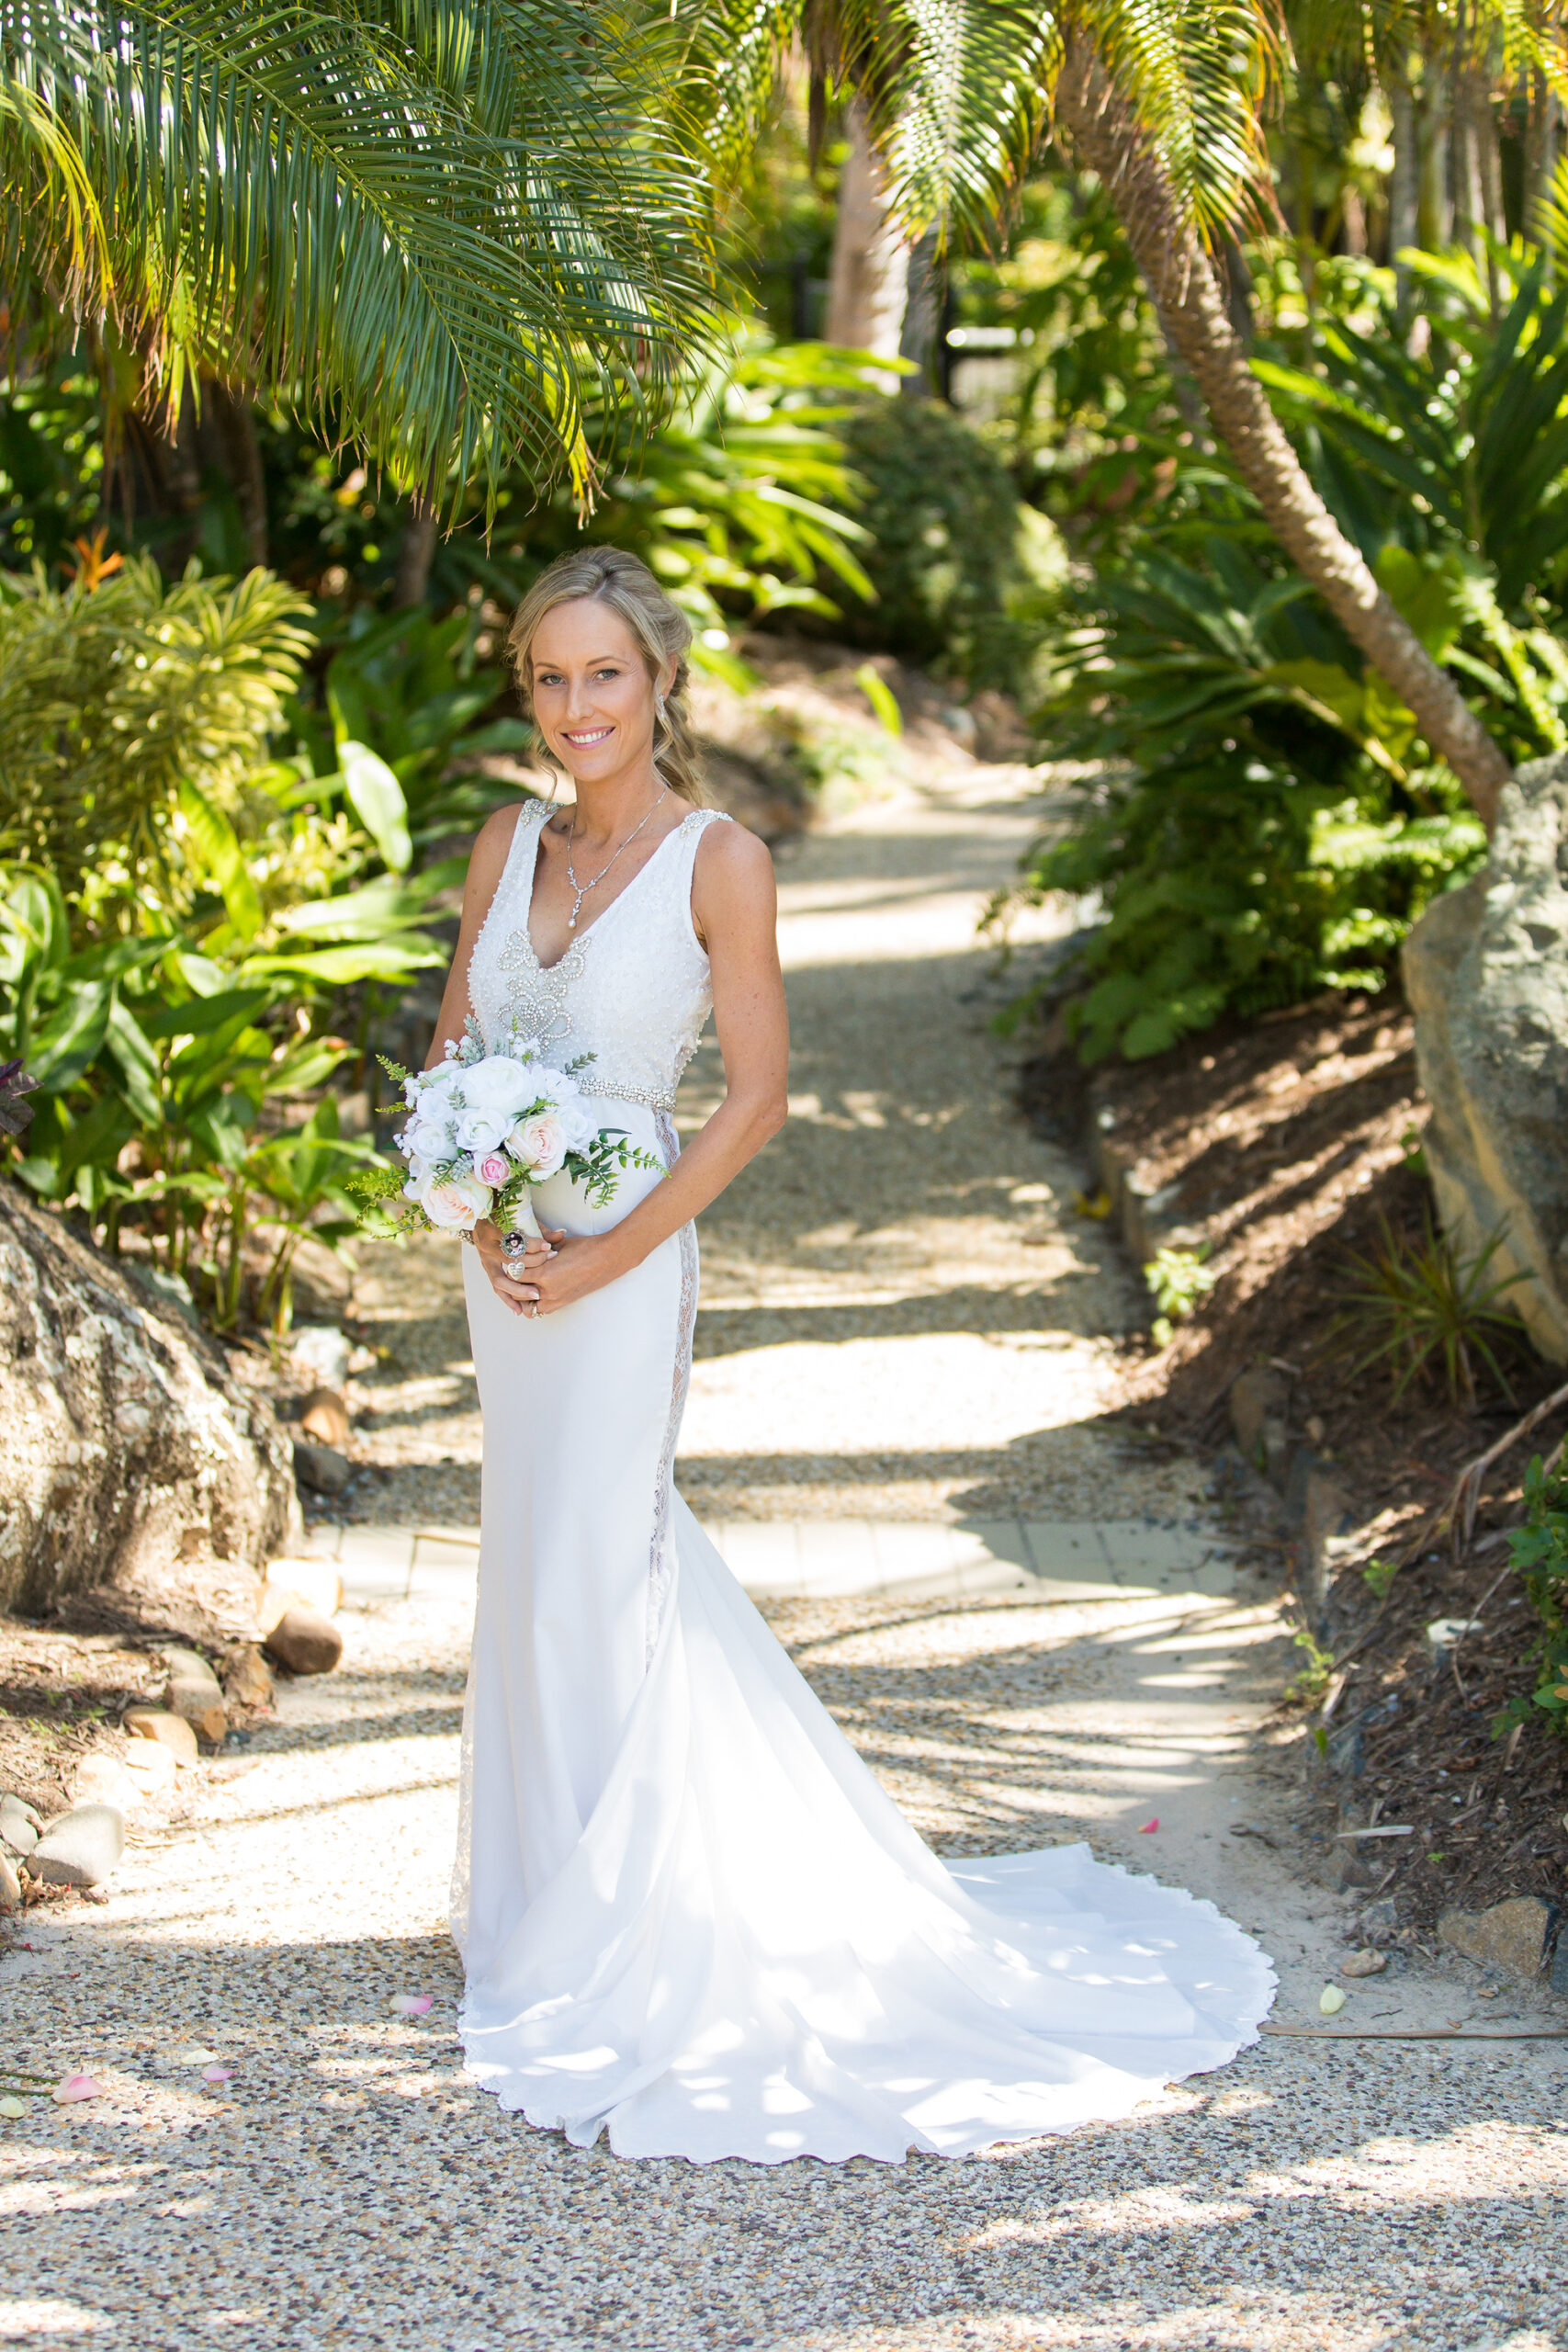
point(483, 1129)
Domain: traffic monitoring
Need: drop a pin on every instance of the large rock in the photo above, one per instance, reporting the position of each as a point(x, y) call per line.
point(196, 1694)
point(128, 1439)
point(1486, 971)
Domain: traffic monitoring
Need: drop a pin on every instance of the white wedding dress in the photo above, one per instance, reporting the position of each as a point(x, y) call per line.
point(688, 1912)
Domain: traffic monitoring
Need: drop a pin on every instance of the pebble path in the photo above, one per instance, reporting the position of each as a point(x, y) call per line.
point(905, 1330)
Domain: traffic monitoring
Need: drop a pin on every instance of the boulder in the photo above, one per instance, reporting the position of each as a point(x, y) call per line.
point(305, 1642)
point(170, 1731)
point(20, 1825)
point(1486, 973)
point(80, 1847)
point(130, 1437)
point(1515, 1935)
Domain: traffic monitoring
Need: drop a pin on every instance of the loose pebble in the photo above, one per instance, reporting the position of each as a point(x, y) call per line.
point(1331, 2000)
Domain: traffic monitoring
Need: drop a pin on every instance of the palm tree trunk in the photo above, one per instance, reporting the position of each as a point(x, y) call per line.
point(416, 553)
point(868, 281)
point(1403, 188)
point(1188, 297)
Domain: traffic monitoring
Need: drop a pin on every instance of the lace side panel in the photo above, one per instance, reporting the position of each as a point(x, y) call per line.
point(459, 1897)
point(662, 1559)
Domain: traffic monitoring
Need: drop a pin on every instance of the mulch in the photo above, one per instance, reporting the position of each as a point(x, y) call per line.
point(1292, 1144)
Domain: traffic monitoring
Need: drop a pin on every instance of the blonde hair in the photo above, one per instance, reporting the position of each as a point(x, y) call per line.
point(623, 582)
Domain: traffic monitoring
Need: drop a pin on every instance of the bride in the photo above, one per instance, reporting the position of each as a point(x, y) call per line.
point(688, 1912)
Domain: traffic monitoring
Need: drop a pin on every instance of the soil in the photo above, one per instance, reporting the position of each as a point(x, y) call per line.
point(1291, 1147)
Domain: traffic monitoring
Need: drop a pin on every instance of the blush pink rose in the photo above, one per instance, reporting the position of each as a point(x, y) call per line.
point(492, 1167)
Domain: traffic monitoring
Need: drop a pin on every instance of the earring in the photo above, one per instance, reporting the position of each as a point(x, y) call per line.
point(659, 708)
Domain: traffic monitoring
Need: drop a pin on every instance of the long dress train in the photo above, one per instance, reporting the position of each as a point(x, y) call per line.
point(689, 1914)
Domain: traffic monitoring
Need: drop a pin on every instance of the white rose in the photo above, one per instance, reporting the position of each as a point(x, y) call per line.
point(580, 1124)
point(428, 1139)
point(499, 1084)
point(440, 1084)
point(484, 1130)
point(539, 1142)
point(456, 1206)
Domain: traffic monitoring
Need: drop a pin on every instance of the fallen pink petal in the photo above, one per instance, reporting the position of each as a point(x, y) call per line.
point(218, 2074)
point(1148, 1825)
point(77, 2087)
point(412, 2005)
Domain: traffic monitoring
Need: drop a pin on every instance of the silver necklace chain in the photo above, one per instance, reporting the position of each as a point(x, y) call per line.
point(582, 888)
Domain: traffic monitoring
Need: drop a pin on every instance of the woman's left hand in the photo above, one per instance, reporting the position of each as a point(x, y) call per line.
point(582, 1263)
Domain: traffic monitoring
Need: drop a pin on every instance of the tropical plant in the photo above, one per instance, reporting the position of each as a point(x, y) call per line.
point(1539, 1550)
point(1165, 106)
point(163, 1072)
point(133, 716)
point(1417, 1306)
point(442, 230)
point(958, 566)
point(1262, 830)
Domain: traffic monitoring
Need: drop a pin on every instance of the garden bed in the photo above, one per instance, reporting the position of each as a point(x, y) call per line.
point(1286, 1148)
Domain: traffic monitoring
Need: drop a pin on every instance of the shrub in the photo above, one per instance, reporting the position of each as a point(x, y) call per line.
point(955, 558)
point(1539, 1550)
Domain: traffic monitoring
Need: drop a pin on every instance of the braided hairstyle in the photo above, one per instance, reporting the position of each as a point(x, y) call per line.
point(623, 582)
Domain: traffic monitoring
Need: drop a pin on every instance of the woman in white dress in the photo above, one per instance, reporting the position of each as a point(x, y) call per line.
point(688, 1912)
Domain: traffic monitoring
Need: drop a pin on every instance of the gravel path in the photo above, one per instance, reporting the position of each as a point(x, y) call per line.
point(901, 1322)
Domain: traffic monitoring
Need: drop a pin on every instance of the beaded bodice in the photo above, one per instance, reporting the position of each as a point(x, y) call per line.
point(633, 988)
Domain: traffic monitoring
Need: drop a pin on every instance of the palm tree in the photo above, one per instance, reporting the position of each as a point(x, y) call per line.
point(445, 229)
point(1164, 103)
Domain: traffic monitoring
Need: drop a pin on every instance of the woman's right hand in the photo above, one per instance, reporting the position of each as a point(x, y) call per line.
point(514, 1291)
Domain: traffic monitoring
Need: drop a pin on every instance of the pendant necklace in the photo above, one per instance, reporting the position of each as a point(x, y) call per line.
point(582, 888)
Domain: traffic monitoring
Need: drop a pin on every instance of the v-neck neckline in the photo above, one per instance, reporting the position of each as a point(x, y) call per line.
point(585, 930)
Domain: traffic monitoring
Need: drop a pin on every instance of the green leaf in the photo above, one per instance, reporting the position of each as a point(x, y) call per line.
point(378, 802)
point(219, 850)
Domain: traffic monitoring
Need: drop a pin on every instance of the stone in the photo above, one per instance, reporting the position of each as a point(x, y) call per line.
point(80, 1847)
point(127, 1432)
point(322, 1351)
point(196, 1694)
point(324, 1417)
point(1327, 1518)
point(1379, 1920)
point(1560, 1966)
point(1364, 1964)
point(104, 1780)
point(170, 1731)
point(10, 1885)
point(305, 1642)
point(1486, 974)
point(315, 1582)
point(20, 1825)
point(246, 1681)
point(150, 1768)
point(1259, 1402)
point(321, 1468)
point(1513, 1935)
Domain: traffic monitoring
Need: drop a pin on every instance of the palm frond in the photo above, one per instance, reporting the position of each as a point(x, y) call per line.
point(447, 224)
